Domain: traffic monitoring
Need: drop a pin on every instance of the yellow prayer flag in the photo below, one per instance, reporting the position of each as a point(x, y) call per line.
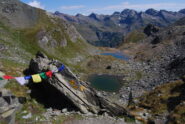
point(36, 78)
point(75, 87)
point(82, 88)
point(72, 82)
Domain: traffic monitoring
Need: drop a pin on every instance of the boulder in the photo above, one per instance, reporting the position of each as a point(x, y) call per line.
point(9, 105)
point(85, 98)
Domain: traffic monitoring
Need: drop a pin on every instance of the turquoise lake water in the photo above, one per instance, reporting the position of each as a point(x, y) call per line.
point(117, 55)
point(105, 82)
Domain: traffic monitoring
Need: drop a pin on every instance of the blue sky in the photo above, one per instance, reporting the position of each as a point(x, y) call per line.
point(86, 7)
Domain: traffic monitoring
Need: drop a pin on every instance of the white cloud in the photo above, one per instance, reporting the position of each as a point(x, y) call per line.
point(139, 7)
point(36, 4)
point(72, 7)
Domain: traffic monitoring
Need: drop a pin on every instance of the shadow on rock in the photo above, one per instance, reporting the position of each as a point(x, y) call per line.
point(49, 96)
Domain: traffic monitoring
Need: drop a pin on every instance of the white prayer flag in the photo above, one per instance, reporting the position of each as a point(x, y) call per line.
point(21, 80)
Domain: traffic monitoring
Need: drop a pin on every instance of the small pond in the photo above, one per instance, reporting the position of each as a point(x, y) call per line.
point(104, 82)
point(117, 55)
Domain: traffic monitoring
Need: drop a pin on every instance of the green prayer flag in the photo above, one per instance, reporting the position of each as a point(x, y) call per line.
point(1, 78)
point(43, 75)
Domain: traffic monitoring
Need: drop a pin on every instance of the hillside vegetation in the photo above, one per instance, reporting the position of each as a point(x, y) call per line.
point(21, 39)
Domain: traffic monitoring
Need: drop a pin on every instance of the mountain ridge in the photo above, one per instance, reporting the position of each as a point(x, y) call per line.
point(119, 23)
point(26, 30)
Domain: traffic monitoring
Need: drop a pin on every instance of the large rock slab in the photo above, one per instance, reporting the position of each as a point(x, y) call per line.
point(86, 99)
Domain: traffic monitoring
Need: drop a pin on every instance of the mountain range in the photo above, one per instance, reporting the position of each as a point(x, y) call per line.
point(110, 30)
point(152, 80)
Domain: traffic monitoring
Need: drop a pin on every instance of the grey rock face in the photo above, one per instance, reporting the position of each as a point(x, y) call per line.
point(9, 104)
point(17, 14)
point(86, 100)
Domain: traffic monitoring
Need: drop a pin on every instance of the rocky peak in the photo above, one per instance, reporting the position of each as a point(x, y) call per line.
point(129, 12)
point(116, 13)
point(182, 11)
point(57, 13)
point(164, 12)
point(79, 15)
point(151, 12)
point(94, 16)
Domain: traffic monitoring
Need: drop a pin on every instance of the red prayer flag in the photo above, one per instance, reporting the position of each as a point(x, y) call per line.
point(49, 74)
point(8, 77)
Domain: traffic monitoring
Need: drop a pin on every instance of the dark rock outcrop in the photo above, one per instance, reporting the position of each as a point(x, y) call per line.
point(86, 100)
point(150, 30)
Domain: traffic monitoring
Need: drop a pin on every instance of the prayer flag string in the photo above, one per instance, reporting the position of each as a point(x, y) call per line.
point(37, 78)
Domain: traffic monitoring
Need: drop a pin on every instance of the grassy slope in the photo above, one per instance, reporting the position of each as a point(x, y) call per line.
point(133, 37)
point(23, 43)
point(167, 99)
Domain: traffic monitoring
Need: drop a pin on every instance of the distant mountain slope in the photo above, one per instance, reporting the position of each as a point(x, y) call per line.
point(24, 30)
point(109, 30)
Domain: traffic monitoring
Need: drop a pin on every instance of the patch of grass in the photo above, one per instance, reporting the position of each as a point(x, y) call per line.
point(139, 75)
point(158, 100)
point(17, 89)
point(63, 118)
point(134, 37)
point(178, 115)
point(12, 68)
point(129, 119)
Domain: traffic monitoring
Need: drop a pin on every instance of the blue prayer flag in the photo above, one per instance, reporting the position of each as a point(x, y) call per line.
point(61, 68)
point(27, 77)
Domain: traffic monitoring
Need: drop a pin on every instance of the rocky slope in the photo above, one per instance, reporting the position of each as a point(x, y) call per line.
point(160, 58)
point(109, 30)
point(164, 104)
point(25, 30)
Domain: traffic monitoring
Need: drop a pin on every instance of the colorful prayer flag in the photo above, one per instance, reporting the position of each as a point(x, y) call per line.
point(49, 74)
point(72, 82)
point(61, 68)
point(43, 75)
point(82, 88)
point(1, 78)
point(21, 80)
point(36, 78)
point(75, 87)
point(8, 77)
point(27, 77)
